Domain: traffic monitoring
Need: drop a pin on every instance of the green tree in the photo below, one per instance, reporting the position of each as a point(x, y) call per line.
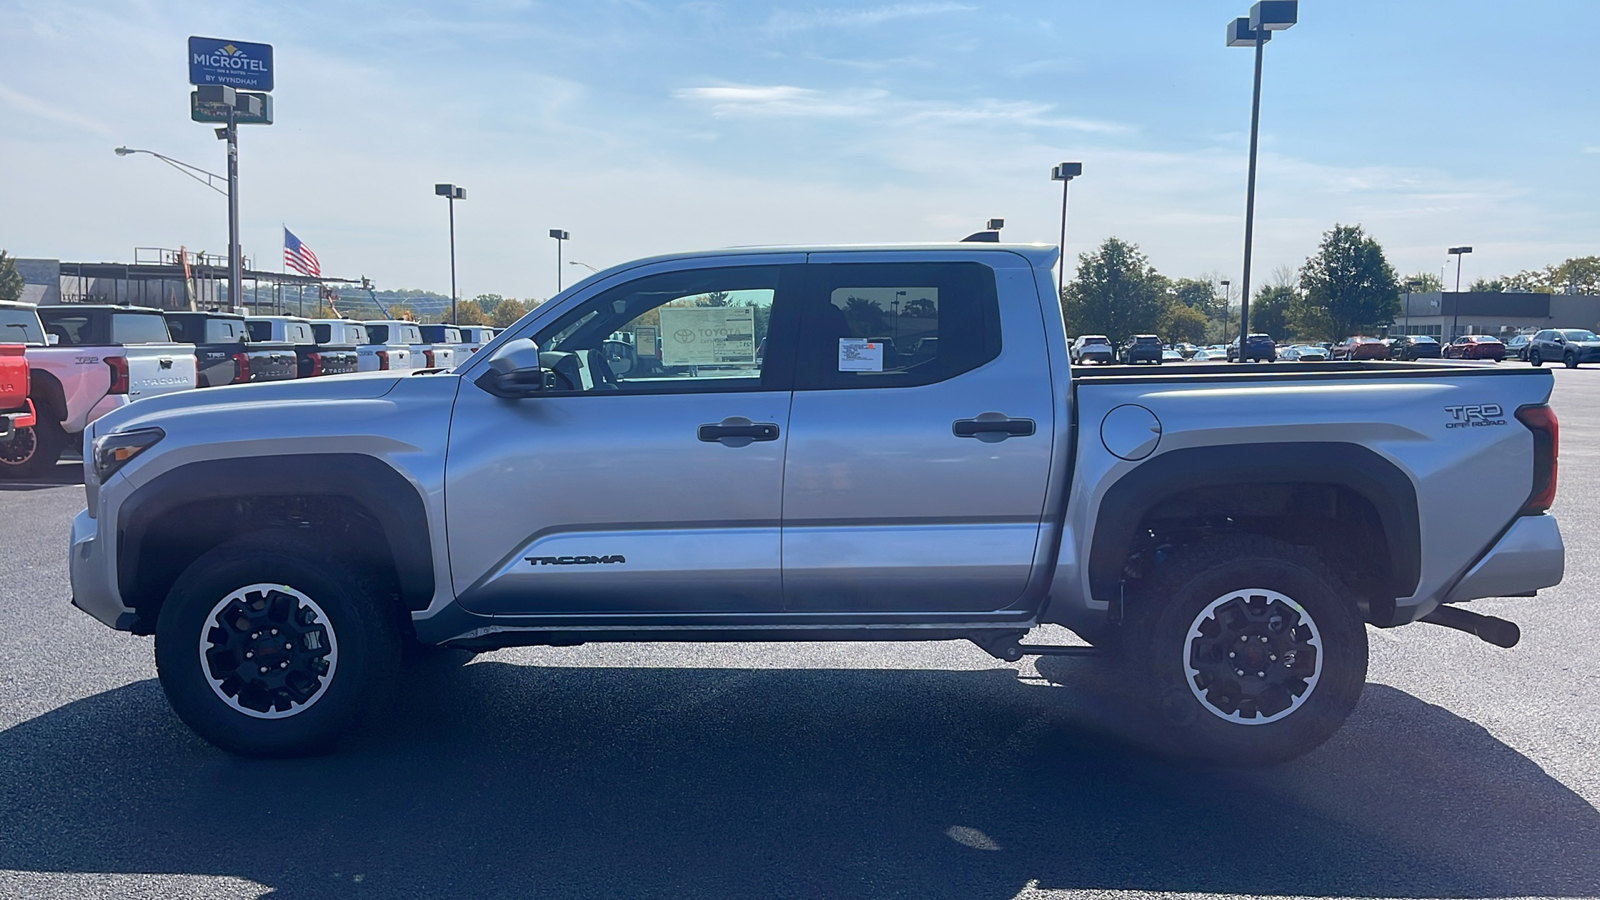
point(507, 312)
point(1117, 293)
point(1269, 311)
point(1195, 294)
point(1430, 283)
point(486, 303)
point(1187, 324)
point(468, 312)
point(1488, 286)
point(1579, 275)
point(1347, 287)
point(10, 278)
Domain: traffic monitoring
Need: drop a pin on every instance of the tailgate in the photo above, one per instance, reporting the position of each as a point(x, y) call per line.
point(273, 363)
point(13, 377)
point(156, 369)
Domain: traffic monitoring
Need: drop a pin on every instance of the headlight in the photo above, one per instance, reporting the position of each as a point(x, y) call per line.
point(112, 451)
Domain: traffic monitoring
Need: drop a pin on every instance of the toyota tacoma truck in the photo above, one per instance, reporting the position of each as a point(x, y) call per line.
point(16, 410)
point(312, 357)
point(1223, 536)
point(84, 361)
point(224, 352)
point(395, 345)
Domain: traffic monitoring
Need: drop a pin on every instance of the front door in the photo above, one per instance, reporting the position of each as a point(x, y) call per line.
point(649, 481)
point(919, 441)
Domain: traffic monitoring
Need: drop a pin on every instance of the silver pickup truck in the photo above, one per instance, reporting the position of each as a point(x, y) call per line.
point(836, 443)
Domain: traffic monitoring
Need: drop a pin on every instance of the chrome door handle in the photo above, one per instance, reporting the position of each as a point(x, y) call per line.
point(737, 431)
point(991, 427)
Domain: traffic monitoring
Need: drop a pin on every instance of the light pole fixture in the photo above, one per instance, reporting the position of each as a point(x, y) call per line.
point(1255, 30)
point(451, 193)
point(573, 262)
point(1455, 303)
point(995, 225)
point(1064, 173)
point(209, 179)
point(561, 238)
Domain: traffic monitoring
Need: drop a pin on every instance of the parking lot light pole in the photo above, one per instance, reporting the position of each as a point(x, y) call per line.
point(1064, 173)
point(1227, 300)
point(1255, 30)
point(1411, 285)
point(452, 193)
point(1455, 302)
point(561, 237)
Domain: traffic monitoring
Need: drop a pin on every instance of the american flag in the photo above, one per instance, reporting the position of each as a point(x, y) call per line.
point(298, 256)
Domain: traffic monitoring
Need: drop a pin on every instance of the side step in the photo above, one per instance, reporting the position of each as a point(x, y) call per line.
point(1498, 632)
point(1009, 648)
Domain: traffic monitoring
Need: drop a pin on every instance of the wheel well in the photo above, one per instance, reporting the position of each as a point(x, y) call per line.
point(47, 394)
point(1343, 527)
point(170, 542)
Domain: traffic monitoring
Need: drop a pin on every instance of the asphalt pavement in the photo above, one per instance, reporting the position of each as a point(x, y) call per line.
point(807, 771)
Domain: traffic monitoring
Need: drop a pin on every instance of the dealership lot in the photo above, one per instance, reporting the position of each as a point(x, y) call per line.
point(829, 770)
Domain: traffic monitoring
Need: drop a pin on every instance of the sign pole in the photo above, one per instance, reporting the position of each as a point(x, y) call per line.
point(235, 270)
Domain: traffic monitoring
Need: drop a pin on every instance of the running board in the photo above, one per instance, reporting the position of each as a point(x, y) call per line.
point(1008, 648)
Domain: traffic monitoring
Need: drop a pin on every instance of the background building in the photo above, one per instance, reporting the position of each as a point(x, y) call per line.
point(1449, 315)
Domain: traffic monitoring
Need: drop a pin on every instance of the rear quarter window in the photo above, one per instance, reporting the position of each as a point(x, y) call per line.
point(139, 328)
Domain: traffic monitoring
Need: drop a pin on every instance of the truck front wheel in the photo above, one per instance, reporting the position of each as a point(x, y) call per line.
point(268, 645)
point(1250, 651)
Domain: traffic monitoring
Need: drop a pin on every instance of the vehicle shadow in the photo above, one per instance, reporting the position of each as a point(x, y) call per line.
point(66, 472)
point(501, 780)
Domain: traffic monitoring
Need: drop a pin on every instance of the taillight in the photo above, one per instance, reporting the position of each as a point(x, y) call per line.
point(1541, 420)
point(316, 364)
point(119, 374)
point(241, 368)
point(427, 356)
point(383, 360)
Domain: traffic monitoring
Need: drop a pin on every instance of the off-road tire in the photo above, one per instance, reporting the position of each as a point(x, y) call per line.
point(33, 451)
point(1164, 646)
point(361, 627)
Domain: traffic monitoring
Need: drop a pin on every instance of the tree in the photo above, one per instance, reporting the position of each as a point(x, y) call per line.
point(1269, 311)
point(1195, 294)
point(865, 316)
point(1488, 286)
point(507, 312)
point(1347, 287)
point(1187, 324)
point(1430, 283)
point(1579, 275)
point(468, 312)
point(10, 278)
point(1117, 293)
point(487, 302)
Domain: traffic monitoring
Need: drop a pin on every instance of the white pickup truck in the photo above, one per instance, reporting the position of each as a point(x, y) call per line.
point(394, 346)
point(1225, 535)
point(85, 361)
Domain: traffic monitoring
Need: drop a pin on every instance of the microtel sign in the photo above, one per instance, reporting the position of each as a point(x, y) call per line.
point(237, 64)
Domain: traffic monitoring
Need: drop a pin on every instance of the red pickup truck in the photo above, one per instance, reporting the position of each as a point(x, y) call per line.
point(16, 410)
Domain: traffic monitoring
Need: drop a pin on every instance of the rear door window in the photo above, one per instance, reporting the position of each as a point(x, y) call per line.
point(73, 329)
point(139, 328)
point(259, 331)
point(224, 331)
point(378, 333)
point(20, 326)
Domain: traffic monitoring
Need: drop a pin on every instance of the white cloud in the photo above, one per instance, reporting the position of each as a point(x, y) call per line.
point(884, 108)
point(787, 20)
point(783, 100)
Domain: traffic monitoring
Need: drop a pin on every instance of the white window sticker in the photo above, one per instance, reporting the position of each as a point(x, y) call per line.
point(860, 355)
point(708, 336)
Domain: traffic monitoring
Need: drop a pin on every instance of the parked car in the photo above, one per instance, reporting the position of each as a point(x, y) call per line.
point(84, 361)
point(1258, 347)
point(1414, 346)
point(473, 337)
point(1477, 346)
point(1168, 356)
point(224, 352)
point(440, 345)
point(1142, 348)
point(1572, 346)
point(1092, 348)
point(1518, 346)
point(312, 357)
point(394, 345)
point(1090, 498)
point(1310, 353)
point(1208, 356)
point(1359, 347)
point(16, 410)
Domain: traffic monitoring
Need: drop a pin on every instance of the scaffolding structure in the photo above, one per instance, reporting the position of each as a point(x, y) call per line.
point(182, 279)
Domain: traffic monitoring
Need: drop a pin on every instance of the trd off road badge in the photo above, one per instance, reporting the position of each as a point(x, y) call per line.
point(1475, 416)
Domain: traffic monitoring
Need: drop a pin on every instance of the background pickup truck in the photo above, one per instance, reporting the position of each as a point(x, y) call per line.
point(224, 352)
point(442, 347)
point(1223, 536)
point(16, 410)
point(395, 345)
point(312, 357)
point(83, 362)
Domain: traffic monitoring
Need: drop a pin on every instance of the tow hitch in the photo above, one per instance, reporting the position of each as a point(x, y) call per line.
point(1498, 632)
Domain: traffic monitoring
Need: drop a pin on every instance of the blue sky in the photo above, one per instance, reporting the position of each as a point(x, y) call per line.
point(644, 128)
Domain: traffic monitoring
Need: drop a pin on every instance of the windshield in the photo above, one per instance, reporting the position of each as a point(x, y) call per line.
point(20, 326)
point(1579, 334)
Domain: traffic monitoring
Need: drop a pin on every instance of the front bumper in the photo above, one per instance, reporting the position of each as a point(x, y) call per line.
point(1529, 556)
point(94, 583)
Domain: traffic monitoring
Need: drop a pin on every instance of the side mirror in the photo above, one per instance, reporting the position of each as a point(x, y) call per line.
point(514, 372)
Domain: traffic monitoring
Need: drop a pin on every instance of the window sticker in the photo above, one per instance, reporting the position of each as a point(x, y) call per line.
point(860, 355)
point(724, 335)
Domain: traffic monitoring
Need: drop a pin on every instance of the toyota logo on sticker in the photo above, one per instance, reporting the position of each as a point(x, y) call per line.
point(684, 335)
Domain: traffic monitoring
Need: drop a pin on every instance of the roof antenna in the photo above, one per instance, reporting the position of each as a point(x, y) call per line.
point(989, 236)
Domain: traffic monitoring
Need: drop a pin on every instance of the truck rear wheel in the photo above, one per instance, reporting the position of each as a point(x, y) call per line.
point(34, 450)
point(1250, 651)
point(269, 646)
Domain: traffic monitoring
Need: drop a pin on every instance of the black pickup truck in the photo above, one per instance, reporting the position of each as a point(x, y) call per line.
point(313, 356)
point(224, 353)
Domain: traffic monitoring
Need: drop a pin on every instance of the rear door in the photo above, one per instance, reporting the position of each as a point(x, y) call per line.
point(915, 478)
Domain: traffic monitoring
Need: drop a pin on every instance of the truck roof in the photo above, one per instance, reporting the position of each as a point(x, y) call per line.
point(1038, 255)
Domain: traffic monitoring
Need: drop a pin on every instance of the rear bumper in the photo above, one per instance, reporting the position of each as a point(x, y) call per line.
point(21, 418)
point(1529, 556)
point(94, 586)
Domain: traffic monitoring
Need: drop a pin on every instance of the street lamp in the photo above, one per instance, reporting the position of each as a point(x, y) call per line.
point(1064, 173)
point(208, 179)
point(1255, 30)
point(894, 307)
point(451, 193)
point(1411, 285)
point(1455, 321)
point(561, 237)
point(1227, 300)
point(573, 262)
